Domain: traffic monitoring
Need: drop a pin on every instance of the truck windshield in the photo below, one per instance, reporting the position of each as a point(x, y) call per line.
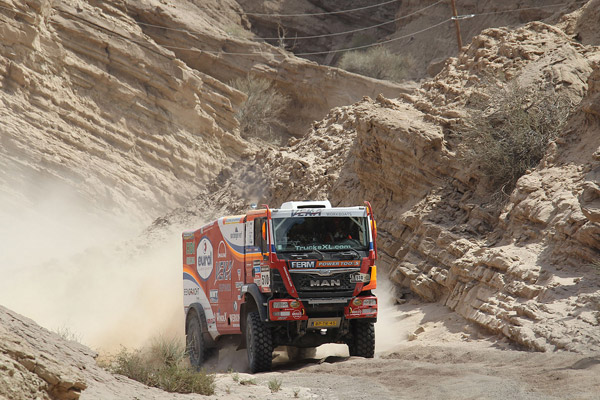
point(320, 233)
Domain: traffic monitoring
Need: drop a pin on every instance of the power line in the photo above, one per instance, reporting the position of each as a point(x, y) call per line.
point(521, 9)
point(312, 36)
point(375, 44)
point(321, 13)
point(316, 52)
point(296, 54)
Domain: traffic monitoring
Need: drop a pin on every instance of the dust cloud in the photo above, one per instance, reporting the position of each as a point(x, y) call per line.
point(88, 272)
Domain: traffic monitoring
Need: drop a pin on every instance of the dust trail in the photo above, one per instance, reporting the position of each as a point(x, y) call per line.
point(72, 267)
point(390, 328)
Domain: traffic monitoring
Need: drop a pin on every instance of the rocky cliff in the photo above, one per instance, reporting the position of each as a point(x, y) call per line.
point(135, 96)
point(420, 30)
point(528, 270)
point(128, 104)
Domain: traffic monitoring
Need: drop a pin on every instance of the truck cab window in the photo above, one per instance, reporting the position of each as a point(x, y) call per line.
point(258, 235)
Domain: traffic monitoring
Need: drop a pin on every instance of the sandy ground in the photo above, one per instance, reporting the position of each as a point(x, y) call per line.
point(423, 351)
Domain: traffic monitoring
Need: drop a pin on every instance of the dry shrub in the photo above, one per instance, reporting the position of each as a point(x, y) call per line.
point(376, 62)
point(260, 115)
point(508, 132)
point(163, 365)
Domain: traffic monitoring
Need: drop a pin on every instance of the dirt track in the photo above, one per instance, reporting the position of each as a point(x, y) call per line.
point(454, 372)
point(426, 352)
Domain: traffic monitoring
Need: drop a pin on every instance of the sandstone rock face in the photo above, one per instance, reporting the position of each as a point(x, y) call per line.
point(129, 103)
point(313, 89)
point(134, 96)
point(420, 30)
point(38, 364)
point(90, 101)
point(528, 271)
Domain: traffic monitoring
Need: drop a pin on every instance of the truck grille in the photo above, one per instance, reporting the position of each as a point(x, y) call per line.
point(314, 284)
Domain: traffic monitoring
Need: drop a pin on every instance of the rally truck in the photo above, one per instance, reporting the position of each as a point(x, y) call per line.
point(298, 276)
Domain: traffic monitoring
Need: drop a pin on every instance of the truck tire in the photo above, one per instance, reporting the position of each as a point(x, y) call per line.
point(194, 341)
point(259, 344)
point(300, 353)
point(362, 343)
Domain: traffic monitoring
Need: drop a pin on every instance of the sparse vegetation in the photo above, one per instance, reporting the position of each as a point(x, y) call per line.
point(260, 114)
point(246, 382)
point(68, 334)
point(362, 39)
point(238, 31)
point(164, 366)
point(508, 132)
point(275, 385)
point(376, 62)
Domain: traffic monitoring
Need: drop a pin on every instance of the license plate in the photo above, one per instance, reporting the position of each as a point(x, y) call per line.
point(320, 323)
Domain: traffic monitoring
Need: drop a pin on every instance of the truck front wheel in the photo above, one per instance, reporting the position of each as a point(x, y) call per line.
point(195, 346)
point(259, 343)
point(362, 343)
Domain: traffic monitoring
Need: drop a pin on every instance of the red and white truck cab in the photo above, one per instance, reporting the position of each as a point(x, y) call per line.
point(298, 276)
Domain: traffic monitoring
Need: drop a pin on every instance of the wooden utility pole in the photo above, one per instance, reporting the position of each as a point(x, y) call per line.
point(456, 24)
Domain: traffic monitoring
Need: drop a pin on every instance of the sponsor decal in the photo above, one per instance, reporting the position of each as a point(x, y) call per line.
point(236, 234)
point(350, 263)
point(221, 317)
point(303, 264)
point(189, 247)
point(214, 296)
point(191, 291)
point(256, 270)
point(238, 285)
point(306, 213)
point(264, 268)
point(234, 318)
point(323, 247)
point(204, 256)
point(222, 253)
point(297, 314)
point(224, 287)
point(250, 233)
point(340, 214)
point(223, 270)
point(188, 235)
point(359, 277)
point(190, 260)
point(239, 274)
point(265, 278)
point(210, 321)
point(235, 308)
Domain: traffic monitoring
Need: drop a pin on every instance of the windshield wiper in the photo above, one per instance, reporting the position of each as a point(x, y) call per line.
point(319, 253)
point(354, 250)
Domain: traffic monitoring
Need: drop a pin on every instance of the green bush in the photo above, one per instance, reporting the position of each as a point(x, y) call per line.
point(260, 115)
point(376, 62)
point(275, 385)
point(163, 365)
point(508, 131)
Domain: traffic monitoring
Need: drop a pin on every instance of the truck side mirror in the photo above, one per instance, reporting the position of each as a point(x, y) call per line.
point(264, 248)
